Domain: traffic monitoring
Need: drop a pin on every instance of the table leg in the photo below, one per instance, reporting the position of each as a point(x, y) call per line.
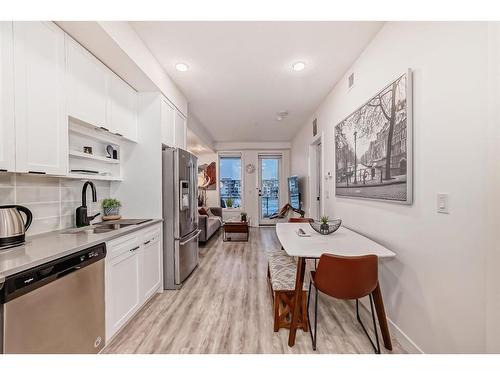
point(382, 320)
point(299, 281)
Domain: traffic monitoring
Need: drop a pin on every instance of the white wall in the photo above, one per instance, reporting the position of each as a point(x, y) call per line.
point(141, 189)
point(212, 195)
point(434, 288)
point(493, 198)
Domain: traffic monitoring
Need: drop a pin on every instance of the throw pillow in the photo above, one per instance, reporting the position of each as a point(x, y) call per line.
point(202, 211)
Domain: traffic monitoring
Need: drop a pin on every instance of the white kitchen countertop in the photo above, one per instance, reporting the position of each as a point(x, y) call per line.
point(49, 246)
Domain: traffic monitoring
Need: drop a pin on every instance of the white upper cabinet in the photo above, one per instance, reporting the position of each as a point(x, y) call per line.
point(173, 125)
point(7, 130)
point(167, 123)
point(122, 108)
point(87, 85)
point(180, 130)
point(40, 105)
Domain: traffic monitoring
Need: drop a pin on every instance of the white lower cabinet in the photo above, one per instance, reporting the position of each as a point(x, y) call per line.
point(151, 263)
point(122, 283)
point(133, 275)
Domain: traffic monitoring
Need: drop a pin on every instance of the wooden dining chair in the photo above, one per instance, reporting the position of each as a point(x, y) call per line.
point(346, 277)
point(300, 220)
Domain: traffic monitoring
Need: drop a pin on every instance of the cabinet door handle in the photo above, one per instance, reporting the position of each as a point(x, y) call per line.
point(145, 243)
point(103, 128)
point(134, 249)
point(3, 170)
point(37, 172)
point(119, 135)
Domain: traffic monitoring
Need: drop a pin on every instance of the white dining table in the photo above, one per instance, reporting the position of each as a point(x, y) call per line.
point(344, 242)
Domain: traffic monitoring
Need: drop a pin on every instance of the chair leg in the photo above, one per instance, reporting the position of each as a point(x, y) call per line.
point(276, 311)
point(376, 348)
point(305, 325)
point(315, 316)
point(313, 335)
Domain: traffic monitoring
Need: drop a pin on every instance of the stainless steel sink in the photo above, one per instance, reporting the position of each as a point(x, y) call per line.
point(103, 228)
point(98, 228)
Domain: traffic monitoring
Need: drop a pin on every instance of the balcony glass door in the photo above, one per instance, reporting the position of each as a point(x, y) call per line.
point(269, 187)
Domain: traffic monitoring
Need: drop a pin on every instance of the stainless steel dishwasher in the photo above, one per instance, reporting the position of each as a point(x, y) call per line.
point(57, 307)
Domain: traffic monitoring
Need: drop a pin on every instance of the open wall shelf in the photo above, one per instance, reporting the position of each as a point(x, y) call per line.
point(80, 136)
point(82, 176)
point(83, 155)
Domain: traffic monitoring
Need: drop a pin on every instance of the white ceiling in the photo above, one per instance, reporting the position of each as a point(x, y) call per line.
point(196, 145)
point(240, 73)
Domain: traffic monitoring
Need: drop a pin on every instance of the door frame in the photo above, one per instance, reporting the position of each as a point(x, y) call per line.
point(260, 157)
point(316, 210)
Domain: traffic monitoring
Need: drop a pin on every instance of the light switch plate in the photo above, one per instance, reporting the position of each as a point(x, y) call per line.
point(443, 204)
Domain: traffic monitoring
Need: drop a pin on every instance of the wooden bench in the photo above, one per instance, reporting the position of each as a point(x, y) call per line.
point(281, 273)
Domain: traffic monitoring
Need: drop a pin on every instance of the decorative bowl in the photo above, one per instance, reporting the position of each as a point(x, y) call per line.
point(329, 228)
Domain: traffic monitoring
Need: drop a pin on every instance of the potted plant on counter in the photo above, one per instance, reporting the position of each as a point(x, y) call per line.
point(111, 207)
point(229, 202)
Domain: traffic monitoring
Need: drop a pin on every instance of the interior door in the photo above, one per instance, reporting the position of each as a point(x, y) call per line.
point(269, 187)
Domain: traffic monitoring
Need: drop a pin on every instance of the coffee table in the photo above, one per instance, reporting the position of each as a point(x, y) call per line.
point(234, 226)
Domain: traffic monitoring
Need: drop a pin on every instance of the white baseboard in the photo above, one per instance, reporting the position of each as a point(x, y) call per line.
point(406, 343)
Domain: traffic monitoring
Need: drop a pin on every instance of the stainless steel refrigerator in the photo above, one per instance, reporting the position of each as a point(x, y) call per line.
point(180, 215)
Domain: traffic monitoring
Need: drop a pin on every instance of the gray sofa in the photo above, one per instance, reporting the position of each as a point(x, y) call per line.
point(209, 224)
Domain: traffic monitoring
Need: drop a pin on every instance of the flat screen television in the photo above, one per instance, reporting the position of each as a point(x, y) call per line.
point(294, 192)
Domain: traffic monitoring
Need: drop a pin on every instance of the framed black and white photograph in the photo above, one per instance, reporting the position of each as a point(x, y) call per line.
point(373, 146)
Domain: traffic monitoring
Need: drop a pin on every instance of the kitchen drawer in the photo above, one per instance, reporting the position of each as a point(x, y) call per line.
point(151, 234)
point(122, 244)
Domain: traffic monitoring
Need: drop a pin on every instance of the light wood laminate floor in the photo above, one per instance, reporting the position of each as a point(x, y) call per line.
point(226, 307)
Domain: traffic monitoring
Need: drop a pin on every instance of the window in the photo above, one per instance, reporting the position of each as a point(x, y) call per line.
point(230, 181)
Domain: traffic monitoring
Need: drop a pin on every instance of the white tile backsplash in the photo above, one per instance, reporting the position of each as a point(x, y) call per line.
point(52, 200)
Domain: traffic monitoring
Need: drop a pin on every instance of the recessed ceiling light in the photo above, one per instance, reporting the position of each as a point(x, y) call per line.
point(181, 67)
point(298, 66)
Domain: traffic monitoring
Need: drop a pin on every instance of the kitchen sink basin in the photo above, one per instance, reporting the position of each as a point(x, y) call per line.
point(98, 228)
point(103, 228)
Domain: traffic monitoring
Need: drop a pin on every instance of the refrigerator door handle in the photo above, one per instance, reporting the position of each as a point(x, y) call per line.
point(194, 236)
point(194, 199)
